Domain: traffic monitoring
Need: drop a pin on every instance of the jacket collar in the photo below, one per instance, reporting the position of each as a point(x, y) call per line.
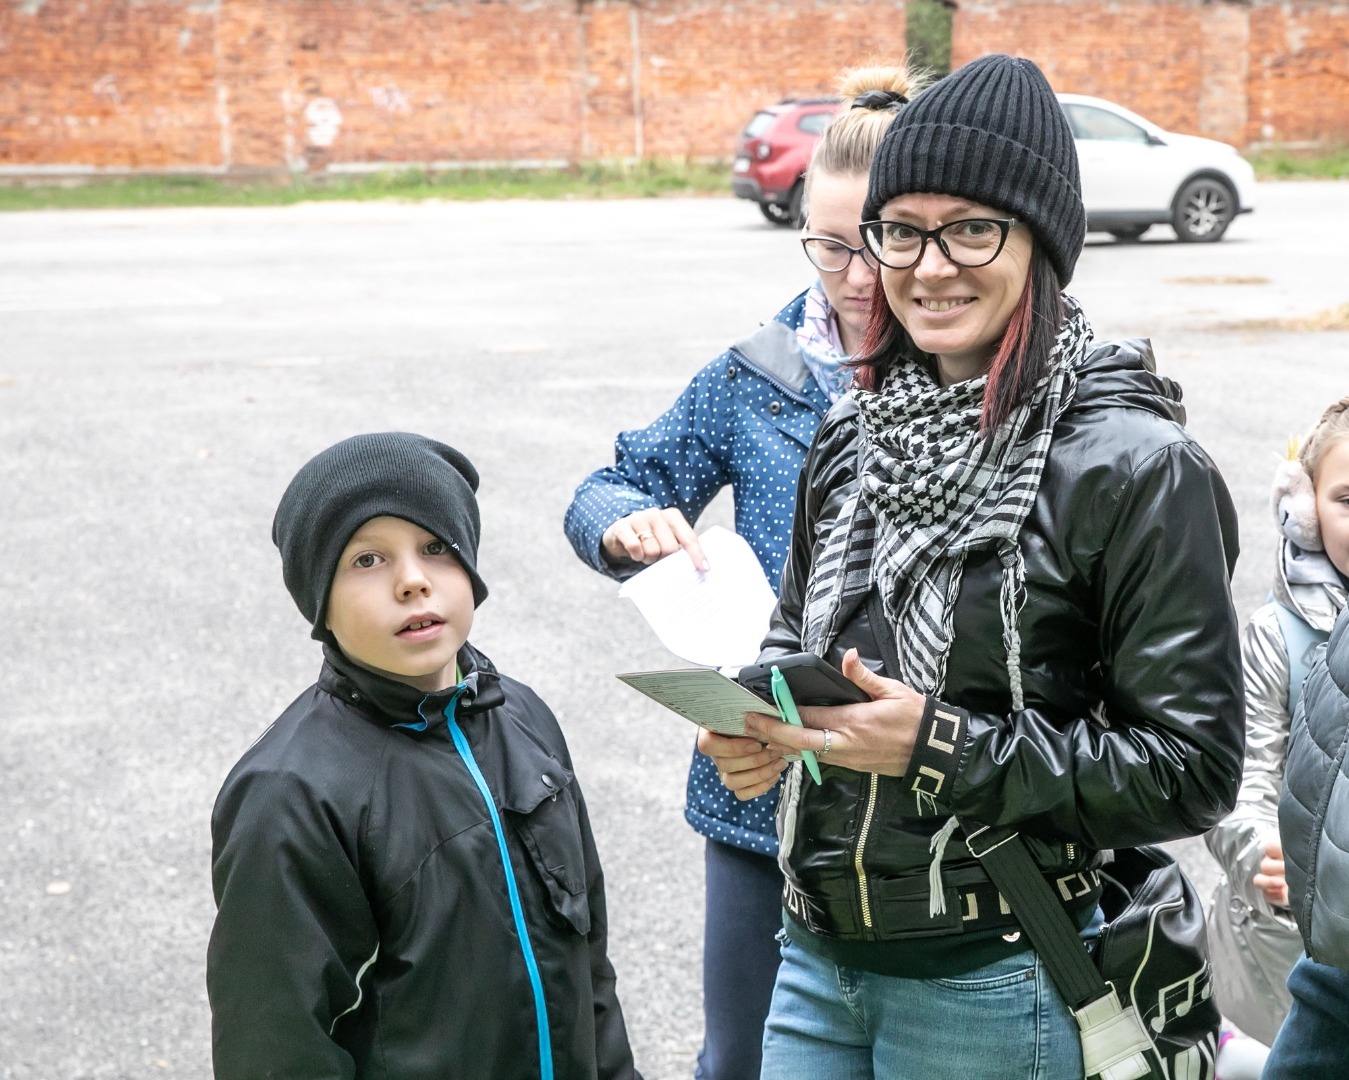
point(1123, 374)
point(1318, 603)
point(389, 703)
point(775, 350)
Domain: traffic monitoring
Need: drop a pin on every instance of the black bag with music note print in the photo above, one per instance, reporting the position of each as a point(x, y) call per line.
point(1145, 1006)
point(1154, 950)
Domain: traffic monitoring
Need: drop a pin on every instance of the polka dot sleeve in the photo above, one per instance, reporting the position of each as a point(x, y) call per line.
point(679, 460)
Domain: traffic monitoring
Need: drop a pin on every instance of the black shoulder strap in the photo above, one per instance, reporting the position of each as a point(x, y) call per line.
point(1042, 916)
point(1115, 1044)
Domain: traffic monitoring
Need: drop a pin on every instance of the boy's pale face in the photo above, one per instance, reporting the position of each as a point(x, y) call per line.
point(401, 604)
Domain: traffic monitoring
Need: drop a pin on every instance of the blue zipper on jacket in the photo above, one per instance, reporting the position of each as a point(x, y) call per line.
point(512, 889)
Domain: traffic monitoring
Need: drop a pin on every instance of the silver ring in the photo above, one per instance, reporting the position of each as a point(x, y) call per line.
point(828, 742)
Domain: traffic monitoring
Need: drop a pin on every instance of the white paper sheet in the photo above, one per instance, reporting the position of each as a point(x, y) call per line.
point(713, 619)
point(702, 695)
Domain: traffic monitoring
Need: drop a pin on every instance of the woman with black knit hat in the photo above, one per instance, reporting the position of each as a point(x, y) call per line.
point(1006, 538)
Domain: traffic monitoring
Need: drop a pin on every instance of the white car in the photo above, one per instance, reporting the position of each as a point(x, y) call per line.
point(1135, 175)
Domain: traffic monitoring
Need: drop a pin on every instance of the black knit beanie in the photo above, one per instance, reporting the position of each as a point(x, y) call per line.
point(994, 133)
point(390, 474)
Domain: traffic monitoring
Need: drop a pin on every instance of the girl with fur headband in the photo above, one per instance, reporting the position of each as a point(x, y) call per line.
point(1254, 939)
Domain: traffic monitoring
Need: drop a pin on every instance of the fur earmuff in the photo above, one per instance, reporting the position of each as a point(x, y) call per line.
point(1294, 502)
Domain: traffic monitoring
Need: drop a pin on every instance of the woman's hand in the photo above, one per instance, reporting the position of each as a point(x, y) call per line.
point(1270, 879)
point(874, 737)
point(647, 535)
point(748, 767)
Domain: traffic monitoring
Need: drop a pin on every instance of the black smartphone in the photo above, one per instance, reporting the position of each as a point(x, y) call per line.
point(811, 680)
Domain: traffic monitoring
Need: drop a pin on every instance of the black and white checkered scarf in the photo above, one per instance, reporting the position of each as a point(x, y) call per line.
point(932, 490)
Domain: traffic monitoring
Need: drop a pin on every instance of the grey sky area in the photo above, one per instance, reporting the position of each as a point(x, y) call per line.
point(164, 373)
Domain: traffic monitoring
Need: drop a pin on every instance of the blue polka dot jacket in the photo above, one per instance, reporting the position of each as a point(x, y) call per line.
point(746, 420)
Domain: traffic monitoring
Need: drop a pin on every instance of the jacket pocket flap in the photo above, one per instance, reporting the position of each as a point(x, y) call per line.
point(531, 780)
point(551, 833)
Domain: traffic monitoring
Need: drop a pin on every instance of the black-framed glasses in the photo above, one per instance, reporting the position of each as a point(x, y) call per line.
point(969, 242)
point(833, 256)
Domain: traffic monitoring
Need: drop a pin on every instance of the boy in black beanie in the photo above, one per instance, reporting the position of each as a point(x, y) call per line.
point(404, 870)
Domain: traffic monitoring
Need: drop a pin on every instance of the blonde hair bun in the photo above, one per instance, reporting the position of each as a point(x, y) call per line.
point(854, 82)
point(849, 142)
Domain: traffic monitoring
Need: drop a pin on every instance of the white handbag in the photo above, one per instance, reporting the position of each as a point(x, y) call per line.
point(1252, 950)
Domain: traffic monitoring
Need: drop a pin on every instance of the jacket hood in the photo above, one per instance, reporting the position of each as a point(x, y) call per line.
point(1318, 603)
point(390, 703)
point(1123, 374)
point(774, 348)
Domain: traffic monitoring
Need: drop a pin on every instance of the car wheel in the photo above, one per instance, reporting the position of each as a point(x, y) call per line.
point(775, 213)
point(1128, 233)
point(1204, 209)
point(795, 213)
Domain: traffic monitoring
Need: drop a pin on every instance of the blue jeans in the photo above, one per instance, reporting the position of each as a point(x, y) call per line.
point(1001, 1022)
point(740, 959)
point(1314, 1039)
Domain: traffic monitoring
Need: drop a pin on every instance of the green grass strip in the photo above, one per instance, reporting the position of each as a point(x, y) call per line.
point(1282, 164)
point(647, 179)
point(641, 180)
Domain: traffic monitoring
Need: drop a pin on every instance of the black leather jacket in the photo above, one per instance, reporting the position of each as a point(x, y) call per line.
point(1132, 727)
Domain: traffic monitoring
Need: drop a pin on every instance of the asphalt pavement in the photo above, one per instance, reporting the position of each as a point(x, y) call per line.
point(163, 373)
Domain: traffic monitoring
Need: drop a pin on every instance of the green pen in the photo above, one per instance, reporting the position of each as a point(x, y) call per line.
point(782, 696)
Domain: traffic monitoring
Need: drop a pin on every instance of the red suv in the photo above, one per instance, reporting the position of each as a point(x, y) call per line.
point(773, 151)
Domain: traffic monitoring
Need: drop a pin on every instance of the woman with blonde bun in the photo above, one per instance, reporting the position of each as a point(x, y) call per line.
point(746, 420)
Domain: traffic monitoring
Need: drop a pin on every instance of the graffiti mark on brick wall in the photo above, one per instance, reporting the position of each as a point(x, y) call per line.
point(390, 99)
point(106, 89)
point(323, 120)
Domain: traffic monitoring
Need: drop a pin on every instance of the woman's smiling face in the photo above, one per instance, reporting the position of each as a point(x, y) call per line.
point(956, 313)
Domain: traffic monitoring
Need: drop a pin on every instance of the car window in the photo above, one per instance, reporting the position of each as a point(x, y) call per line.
point(758, 124)
point(1092, 123)
point(814, 123)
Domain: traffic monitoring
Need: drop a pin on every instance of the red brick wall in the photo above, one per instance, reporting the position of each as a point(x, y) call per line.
point(1239, 70)
point(1299, 72)
point(124, 80)
point(707, 65)
point(1111, 51)
point(240, 85)
point(275, 84)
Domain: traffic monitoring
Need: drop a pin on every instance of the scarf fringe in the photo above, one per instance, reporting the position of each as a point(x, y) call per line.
point(1012, 597)
point(936, 898)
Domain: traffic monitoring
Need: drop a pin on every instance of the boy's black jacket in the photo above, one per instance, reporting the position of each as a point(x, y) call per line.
point(364, 927)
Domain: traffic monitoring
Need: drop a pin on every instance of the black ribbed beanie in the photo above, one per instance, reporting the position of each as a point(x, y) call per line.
point(392, 474)
point(994, 133)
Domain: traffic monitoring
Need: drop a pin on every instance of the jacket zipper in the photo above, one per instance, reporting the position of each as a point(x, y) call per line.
point(861, 845)
point(512, 890)
point(1072, 853)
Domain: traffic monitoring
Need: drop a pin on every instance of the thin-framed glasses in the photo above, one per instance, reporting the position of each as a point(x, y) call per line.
point(833, 256)
point(969, 242)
